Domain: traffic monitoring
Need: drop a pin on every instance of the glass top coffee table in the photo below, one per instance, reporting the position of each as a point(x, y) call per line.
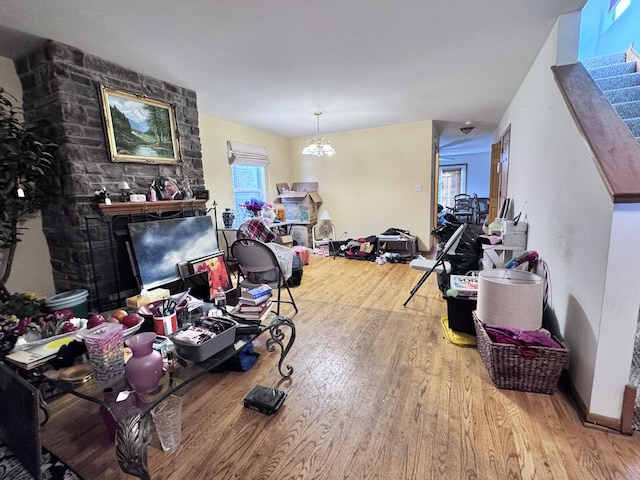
point(132, 413)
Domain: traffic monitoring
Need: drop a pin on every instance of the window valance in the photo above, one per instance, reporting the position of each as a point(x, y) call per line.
point(245, 154)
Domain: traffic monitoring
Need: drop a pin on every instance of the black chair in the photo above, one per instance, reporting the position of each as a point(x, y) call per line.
point(481, 208)
point(463, 209)
point(259, 264)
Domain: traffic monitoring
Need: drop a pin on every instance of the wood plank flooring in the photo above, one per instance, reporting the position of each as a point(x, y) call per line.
point(377, 393)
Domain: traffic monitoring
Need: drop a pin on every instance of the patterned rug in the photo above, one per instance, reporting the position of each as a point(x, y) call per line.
point(52, 467)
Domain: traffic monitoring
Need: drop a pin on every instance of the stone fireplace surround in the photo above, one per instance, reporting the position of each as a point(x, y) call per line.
point(61, 90)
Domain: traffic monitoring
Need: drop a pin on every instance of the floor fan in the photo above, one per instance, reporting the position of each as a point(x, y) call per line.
point(323, 232)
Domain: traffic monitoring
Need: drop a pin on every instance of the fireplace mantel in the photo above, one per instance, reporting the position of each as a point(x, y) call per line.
point(135, 208)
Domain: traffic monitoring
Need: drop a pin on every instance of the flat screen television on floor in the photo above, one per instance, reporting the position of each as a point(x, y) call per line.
point(159, 247)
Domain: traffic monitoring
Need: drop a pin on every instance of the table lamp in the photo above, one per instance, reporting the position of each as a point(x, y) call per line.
point(125, 190)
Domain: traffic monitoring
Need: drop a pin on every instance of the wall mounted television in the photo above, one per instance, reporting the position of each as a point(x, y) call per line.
point(159, 246)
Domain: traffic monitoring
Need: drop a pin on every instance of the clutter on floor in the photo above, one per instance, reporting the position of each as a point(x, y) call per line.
point(303, 253)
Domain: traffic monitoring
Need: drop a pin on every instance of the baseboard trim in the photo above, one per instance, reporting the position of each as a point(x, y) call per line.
point(591, 420)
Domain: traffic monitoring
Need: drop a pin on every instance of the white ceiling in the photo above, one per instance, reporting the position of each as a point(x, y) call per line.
point(271, 64)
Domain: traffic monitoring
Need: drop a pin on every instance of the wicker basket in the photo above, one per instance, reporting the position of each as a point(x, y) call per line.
point(509, 369)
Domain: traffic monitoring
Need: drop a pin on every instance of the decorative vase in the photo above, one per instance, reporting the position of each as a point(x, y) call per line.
point(228, 217)
point(144, 368)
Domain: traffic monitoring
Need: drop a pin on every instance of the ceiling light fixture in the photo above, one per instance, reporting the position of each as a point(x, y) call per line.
point(468, 128)
point(318, 145)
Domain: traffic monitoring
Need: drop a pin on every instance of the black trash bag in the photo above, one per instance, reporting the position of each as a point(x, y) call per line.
point(468, 253)
point(296, 272)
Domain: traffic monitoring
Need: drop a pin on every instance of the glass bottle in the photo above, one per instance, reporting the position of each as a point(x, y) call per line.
point(220, 298)
point(152, 196)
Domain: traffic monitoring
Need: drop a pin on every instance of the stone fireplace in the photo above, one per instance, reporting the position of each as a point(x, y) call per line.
point(61, 89)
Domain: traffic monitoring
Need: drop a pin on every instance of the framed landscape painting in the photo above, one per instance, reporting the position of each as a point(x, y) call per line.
point(138, 128)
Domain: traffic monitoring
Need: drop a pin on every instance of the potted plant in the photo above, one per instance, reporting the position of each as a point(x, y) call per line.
point(26, 180)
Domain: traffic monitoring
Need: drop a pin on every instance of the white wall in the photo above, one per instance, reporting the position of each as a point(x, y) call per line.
point(31, 270)
point(370, 184)
point(570, 218)
point(478, 171)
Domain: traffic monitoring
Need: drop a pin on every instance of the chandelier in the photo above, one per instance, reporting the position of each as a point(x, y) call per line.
point(318, 145)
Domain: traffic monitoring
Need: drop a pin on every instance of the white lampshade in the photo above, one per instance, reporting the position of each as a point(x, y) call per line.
point(324, 215)
point(123, 186)
point(510, 297)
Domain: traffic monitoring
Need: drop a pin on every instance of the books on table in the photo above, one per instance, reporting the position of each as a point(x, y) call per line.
point(254, 301)
point(256, 292)
point(253, 313)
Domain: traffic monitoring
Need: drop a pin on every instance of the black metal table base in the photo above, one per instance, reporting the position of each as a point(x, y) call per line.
point(277, 336)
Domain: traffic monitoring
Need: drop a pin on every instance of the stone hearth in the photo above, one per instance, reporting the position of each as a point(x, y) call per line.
point(61, 86)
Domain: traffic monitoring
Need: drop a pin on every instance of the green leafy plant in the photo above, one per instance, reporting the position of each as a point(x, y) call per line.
point(23, 304)
point(26, 179)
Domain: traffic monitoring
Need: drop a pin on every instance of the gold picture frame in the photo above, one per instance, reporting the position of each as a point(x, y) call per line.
point(138, 128)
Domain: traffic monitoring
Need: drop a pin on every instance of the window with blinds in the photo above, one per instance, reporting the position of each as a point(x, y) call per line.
point(248, 164)
point(452, 181)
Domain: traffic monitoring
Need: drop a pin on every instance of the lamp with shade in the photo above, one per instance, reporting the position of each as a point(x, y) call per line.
point(125, 190)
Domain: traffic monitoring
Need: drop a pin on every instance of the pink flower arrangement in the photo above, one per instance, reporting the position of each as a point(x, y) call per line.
point(48, 325)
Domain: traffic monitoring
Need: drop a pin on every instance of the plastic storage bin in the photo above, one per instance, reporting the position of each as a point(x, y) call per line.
point(76, 300)
point(460, 314)
point(199, 353)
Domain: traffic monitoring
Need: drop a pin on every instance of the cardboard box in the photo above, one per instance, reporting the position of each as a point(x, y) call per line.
point(302, 235)
point(301, 202)
point(286, 240)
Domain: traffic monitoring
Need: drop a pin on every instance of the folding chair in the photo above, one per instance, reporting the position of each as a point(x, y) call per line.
point(259, 264)
point(439, 264)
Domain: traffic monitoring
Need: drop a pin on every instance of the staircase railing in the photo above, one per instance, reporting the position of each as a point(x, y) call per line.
point(616, 151)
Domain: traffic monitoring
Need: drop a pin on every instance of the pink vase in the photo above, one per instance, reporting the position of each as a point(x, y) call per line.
point(144, 368)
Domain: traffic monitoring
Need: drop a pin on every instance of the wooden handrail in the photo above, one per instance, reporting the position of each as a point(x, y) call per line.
point(616, 151)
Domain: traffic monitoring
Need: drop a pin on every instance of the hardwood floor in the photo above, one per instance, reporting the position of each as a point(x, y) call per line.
point(377, 393)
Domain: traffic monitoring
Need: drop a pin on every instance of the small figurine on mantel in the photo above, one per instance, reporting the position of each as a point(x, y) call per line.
point(101, 196)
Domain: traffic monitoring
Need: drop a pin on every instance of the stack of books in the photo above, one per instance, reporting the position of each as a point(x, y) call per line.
point(255, 304)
